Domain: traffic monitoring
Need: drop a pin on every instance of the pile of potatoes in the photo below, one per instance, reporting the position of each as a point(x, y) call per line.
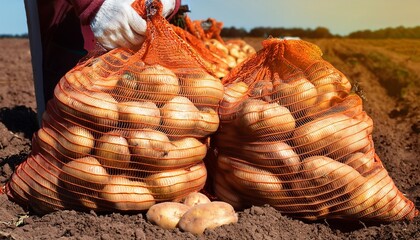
point(194, 214)
point(297, 139)
point(232, 52)
point(120, 137)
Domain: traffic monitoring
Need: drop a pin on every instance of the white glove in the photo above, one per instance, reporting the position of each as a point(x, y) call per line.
point(117, 24)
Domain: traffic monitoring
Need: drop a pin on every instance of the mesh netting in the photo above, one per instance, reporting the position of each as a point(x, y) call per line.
point(292, 135)
point(124, 130)
point(231, 52)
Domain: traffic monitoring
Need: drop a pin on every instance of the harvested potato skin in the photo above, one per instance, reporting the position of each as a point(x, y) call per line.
point(207, 216)
point(166, 214)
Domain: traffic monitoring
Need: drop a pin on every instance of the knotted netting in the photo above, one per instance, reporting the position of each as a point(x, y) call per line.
point(293, 135)
point(124, 130)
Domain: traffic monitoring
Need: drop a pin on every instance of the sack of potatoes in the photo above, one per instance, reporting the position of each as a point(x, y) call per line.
point(293, 135)
point(124, 131)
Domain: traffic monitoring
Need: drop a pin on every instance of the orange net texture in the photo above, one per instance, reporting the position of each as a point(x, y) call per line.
point(292, 135)
point(232, 52)
point(124, 130)
point(212, 60)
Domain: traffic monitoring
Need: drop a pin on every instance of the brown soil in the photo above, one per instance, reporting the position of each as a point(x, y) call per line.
point(387, 80)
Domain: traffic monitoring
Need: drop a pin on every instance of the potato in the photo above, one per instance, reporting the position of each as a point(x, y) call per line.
point(218, 45)
point(208, 122)
point(330, 85)
point(46, 138)
point(353, 139)
point(235, 93)
point(256, 181)
point(85, 172)
point(126, 88)
point(234, 50)
point(337, 136)
point(157, 83)
point(43, 181)
point(138, 115)
point(207, 216)
point(279, 157)
point(185, 152)
point(361, 162)
point(175, 184)
point(264, 120)
point(262, 90)
point(17, 188)
point(176, 154)
point(179, 117)
point(124, 195)
point(195, 198)
point(99, 82)
point(297, 96)
point(75, 141)
point(149, 146)
point(230, 61)
point(326, 75)
point(166, 214)
point(112, 151)
point(321, 175)
point(364, 196)
point(97, 109)
point(203, 89)
point(75, 79)
point(225, 192)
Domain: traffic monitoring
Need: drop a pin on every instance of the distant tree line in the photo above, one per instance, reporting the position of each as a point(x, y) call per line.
point(320, 32)
point(397, 32)
point(24, 35)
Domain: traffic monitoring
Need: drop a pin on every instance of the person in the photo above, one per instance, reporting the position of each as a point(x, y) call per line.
point(62, 32)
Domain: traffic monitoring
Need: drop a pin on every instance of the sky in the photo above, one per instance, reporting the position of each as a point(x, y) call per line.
point(340, 16)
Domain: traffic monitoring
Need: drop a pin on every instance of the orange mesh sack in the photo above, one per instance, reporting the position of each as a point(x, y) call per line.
point(232, 52)
point(292, 135)
point(211, 59)
point(124, 130)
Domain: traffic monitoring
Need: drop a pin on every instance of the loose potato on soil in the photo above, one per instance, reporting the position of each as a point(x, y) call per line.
point(195, 198)
point(207, 216)
point(166, 214)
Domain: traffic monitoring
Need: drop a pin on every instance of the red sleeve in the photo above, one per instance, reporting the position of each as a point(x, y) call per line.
point(86, 9)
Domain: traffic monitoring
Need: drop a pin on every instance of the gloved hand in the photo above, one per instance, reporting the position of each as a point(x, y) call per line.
point(117, 24)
